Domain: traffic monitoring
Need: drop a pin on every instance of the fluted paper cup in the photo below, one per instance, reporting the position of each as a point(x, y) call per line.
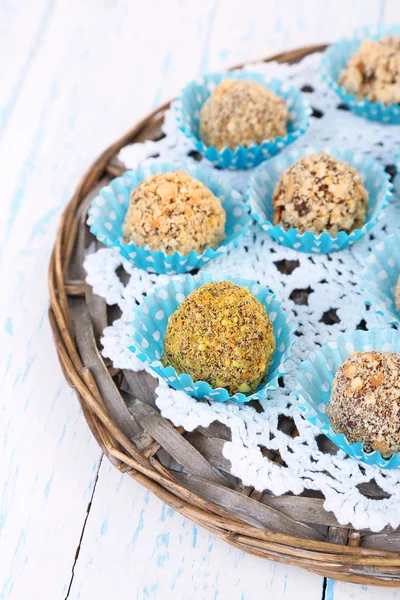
point(187, 110)
point(108, 209)
point(150, 321)
point(314, 384)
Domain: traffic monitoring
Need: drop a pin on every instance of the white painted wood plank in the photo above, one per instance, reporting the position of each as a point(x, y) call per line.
point(339, 590)
point(251, 30)
point(87, 85)
point(391, 12)
point(22, 24)
point(49, 458)
point(134, 542)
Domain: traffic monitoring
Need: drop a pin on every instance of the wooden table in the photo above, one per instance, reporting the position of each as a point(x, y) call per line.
point(74, 76)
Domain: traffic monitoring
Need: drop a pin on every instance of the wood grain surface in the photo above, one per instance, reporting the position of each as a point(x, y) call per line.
point(74, 76)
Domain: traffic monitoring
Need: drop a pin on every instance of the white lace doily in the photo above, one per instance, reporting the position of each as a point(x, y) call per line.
point(319, 290)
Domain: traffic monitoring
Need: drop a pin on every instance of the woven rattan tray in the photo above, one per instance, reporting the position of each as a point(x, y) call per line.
point(137, 439)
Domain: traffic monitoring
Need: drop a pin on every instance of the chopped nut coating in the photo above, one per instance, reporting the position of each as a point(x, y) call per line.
point(221, 334)
point(176, 213)
point(320, 193)
point(374, 71)
point(365, 401)
point(240, 113)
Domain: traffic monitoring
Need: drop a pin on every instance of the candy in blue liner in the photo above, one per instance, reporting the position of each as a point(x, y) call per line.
point(380, 277)
point(108, 209)
point(335, 60)
point(187, 109)
point(264, 179)
point(314, 382)
point(150, 321)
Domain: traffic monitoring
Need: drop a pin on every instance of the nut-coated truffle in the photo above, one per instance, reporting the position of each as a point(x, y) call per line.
point(221, 334)
point(365, 401)
point(320, 193)
point(373, 72)
point(176, 213)
point(241, 112)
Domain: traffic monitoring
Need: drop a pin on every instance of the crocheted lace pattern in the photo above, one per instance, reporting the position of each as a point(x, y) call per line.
point(321, 293)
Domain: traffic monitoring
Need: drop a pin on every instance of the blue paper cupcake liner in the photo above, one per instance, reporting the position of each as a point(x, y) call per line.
point(314, 382)
point(380, 277)
point(264, 179)
point(150, 321)
point(187, 110)
point(108, 209)
point(335, 60)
